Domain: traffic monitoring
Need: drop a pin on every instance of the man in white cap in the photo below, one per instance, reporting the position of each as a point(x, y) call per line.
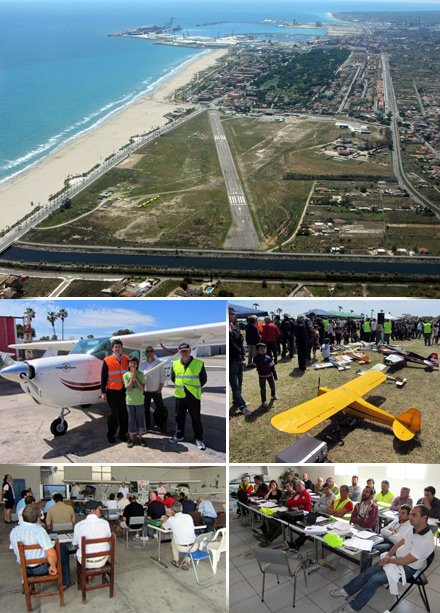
point(189, 376)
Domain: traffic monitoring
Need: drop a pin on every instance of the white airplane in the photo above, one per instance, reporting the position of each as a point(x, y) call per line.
point(62, 381)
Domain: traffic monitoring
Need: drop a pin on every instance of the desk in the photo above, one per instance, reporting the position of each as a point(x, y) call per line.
point(355, 555)
point(66, 539)
point(161, 531)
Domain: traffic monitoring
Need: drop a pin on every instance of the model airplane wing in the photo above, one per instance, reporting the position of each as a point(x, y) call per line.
point(311, 413)
point(206, 334)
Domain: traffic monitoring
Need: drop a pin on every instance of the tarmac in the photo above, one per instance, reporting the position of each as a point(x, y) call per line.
point(25, 435)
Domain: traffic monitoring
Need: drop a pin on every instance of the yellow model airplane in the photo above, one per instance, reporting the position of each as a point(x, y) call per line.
point(347, 397)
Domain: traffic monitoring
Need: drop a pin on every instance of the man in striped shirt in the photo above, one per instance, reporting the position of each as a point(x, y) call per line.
point(31, 533)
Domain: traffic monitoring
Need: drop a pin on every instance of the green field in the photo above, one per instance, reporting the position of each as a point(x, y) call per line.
point(256, 440)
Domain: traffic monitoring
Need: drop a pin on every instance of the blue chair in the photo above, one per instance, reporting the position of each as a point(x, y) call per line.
point(197, 553)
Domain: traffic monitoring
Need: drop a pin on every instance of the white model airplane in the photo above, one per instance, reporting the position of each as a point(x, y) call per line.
point(62, 381)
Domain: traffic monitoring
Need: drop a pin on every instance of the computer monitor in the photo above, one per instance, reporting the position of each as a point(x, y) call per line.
point(50, 490)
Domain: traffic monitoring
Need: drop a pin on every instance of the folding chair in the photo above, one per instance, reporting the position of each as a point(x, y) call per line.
point(134, 521)
point(107, 571)
point(196, 515)
point(419, 579)
point(217, 546)
point(30, 582)
point(220, 521)
point(196, 554)
point(278, 563)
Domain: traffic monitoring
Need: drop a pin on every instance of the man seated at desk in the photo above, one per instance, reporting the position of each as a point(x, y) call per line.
point(208, 513)
point(122, 502)
point(188, 506)
point(431, 502)
point(133, 509)
point(156, 510)
point(261, 488)
point(342, 505)
point(92, 527)
point(385, 495)
point(392, 533)
point(355, 490)
point(409, 555)
point(325, 500)
point(298, 501)
point(402, 499)
point(60, 512)
point(30, 532)
point(182, 527)
point(366, 512)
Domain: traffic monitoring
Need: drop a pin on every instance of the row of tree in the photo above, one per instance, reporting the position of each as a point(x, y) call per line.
point(52, 316)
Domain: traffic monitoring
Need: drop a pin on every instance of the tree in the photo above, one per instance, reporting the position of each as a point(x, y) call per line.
point(52, 317)
point(30, 313)
point(123, 332)
point(20, 333)
point(62, 314)
point(255, 305)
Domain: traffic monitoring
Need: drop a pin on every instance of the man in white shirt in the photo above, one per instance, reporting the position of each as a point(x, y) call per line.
point(153, 391)
point(123, 490)
point(392, 533)
point(161, 489)
point(409, 553)
point(92, 527)
point(182, 527)
point(325, 500)
point(122, 502)
point(75, 491)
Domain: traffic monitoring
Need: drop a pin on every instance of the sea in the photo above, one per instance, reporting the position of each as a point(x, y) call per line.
point(61, 75)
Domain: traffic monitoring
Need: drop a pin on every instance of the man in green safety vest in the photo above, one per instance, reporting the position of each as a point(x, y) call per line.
point(387, 329)
point(367, 330)
point(427, 328)
point(189, 376)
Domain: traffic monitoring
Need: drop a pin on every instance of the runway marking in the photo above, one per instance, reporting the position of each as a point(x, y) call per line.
point(220, 137)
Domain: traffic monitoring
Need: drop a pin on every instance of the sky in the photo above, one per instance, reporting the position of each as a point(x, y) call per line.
point(104, 317)
point(396, 307)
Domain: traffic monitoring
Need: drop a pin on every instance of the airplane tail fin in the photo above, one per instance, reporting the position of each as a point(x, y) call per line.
point(5, 360)
point(406, 425)
point(433, 358)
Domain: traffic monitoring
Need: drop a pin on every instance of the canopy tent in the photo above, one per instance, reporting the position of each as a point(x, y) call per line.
point(344, 315)
point(319, 313)
point(243, 312)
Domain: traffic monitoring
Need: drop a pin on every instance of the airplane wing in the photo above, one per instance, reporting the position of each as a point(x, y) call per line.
point(309, 414)
point(206, 334)
point(52, 346)
point(394, 358)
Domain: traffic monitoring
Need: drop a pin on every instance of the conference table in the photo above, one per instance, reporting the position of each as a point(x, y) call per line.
point(354, 554)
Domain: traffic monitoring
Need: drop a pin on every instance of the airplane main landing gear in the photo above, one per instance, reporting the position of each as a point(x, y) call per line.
point(59, 426)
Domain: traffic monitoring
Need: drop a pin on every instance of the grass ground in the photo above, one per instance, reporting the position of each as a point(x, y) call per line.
point(256, 288)
point(39, 286)
point(164, 288)
point(85, 288)
point(339, 290)
point(256, 440)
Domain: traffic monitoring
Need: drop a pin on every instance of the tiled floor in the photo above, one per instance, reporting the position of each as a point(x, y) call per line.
point(245, 583)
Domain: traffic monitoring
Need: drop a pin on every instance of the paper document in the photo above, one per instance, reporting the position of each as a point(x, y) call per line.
point(357, 543)
point(365, 534)
point(321, 519)
point(340, 525)
point(268, 504)
point(283, 509)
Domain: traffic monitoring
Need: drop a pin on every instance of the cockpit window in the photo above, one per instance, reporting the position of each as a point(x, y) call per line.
point(98, 347)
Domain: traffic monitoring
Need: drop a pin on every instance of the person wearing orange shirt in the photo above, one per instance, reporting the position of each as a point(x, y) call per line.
point(113, 391)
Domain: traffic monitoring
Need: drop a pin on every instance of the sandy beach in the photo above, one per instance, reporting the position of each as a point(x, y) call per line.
point(81, 155)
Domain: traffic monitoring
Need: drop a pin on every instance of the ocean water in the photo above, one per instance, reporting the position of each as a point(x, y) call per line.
point(62, 75)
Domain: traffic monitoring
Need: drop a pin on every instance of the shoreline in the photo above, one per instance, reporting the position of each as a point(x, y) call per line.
point(79, 156)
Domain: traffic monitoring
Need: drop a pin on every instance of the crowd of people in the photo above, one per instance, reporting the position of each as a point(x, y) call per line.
point(163, 510)
point(407, 541)
point(260, 344)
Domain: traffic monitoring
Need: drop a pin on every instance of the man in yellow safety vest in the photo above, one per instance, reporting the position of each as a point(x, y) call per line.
point(387, 329)
point(427, 328)
point(189, 376)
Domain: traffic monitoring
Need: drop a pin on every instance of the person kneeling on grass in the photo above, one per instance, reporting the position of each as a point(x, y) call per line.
point(266, 372)
point(134, 381)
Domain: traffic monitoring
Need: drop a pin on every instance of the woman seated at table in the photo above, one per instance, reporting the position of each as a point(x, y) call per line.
point(273, 493)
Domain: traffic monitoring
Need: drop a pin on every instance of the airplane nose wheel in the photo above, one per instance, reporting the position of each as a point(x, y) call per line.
point(59, 426)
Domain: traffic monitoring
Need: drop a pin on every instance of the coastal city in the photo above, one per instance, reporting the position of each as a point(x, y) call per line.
point(342, 125)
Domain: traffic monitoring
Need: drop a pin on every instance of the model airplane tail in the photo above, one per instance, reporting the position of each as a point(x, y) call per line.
point(406, 425)
point(433, 358)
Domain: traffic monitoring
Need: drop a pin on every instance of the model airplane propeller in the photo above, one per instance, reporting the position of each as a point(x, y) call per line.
point(348, 398)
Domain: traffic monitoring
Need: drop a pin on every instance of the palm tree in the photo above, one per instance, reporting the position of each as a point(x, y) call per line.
point(255, 305)
point(340, 309)
point(52, 317)
point(30, 313)
point(279, 311)
point(62, 314)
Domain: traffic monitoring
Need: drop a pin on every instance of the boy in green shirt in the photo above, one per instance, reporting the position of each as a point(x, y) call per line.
point(134, 381)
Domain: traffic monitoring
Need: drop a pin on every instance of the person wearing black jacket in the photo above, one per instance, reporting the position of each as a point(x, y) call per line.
point(301, 341)
point(237, 361)
point(253, 336)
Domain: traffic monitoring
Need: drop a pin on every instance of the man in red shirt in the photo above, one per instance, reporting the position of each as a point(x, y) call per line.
point(269, 337)
point(300, 500)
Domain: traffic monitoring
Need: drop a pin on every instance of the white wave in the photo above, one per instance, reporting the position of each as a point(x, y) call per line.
point(54, 143)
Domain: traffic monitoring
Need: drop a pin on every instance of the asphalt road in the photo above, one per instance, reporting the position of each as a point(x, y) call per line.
point(242, 233)
point(25, 436)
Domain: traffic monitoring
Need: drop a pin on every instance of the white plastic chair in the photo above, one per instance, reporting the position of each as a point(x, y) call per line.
point(217, 546)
